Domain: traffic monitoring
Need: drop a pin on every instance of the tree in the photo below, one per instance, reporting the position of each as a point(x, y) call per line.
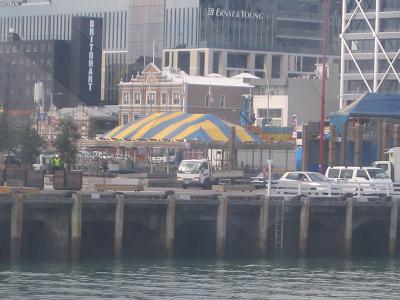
point(7, 133)
point(66, 141)
point(30, 145)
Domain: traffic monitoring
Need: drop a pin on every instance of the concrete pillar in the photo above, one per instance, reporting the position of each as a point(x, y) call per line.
point(223, 62)
point(76, 226)
point(251, 62)
point(304, 222)
point(305, 143)
point(393, 227)
point(385, 133)
point(332, 146)
point(170, 226)
point(119, 225)
point(174, 61)
point(222, 217)
point(348, 233)
point(396, 135)
point(208, 61)
point(194, 63)
point(263, 226)
point(343, 145)
point(16, 226)
point(358, 146)
point(379, 139)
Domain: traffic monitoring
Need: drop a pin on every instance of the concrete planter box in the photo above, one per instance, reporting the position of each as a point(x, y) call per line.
point(67, 180)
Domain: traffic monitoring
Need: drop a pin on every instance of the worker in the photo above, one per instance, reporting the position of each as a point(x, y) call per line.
point(56, 163)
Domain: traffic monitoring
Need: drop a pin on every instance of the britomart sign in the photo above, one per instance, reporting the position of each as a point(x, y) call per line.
point(239, 14)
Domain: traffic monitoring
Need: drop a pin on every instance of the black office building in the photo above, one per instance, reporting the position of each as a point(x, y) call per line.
point(69, 70)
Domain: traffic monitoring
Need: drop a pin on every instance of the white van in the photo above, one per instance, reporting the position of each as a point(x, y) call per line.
point(358, 174)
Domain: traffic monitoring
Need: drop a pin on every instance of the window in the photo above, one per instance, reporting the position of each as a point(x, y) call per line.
point(271, 113)
point(125, 98)
point(346, 174)
point(333, 173)
point(222, 101)
point(138, 99)
point(164, 99)
point(177, 99)
point(125, 119)
point(362, 174)
point(151, 97)
point(35, 48)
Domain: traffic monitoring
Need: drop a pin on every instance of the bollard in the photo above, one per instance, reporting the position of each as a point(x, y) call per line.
point(119, 225)
point(263, 226)
point(393, 227)
point(221, 225)
point(76, 226)
point(170, 226)
point(304, 223)
point(16, 226)
point(348, 234)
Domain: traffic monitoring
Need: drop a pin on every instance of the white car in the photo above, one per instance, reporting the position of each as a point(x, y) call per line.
point(307, 183)
point(310, 177)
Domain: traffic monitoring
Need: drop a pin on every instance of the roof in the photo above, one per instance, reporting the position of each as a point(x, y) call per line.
point(245, 75)
point(374, 105)
point(180, 126)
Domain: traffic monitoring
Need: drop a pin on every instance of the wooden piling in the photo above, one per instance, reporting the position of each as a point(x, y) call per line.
point(222, 216)
point(348, 234)
point(263, 226)
point(16, 226)
point(393, 227)
point(170, 226)
point(358, 146)
point(119, 225)
point(76, 226)
point(304, 223)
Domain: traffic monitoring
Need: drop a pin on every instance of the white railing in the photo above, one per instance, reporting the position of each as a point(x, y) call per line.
point(333, 189)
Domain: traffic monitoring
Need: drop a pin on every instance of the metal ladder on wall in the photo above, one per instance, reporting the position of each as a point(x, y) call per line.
point(279, 228)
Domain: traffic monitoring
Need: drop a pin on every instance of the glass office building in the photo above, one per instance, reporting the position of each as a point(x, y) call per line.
point(370, 49)
point(234, 35)
point(51, 20)
point(145, 38)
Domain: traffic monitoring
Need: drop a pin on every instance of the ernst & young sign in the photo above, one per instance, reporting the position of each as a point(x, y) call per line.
point(239, 14)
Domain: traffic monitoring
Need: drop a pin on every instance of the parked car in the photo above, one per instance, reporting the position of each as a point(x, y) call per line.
point(260, 181)
point(310, 177)
point(358, 175)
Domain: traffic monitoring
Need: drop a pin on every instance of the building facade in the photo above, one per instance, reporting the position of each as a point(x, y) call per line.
point(68, 71)
point(172, 90)
point(230, 36)
point(51, 20)
point(145, 38)
point(370, 46)
point(24, 63)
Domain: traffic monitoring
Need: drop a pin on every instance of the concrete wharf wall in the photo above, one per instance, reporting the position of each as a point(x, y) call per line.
point(65, 225)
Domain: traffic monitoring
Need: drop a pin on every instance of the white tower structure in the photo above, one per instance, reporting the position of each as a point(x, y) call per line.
point(370, 48)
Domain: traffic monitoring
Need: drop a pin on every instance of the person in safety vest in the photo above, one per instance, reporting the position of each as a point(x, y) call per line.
point(56, 163)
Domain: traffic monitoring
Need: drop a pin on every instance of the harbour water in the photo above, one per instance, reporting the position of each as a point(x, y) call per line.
point(203, 279)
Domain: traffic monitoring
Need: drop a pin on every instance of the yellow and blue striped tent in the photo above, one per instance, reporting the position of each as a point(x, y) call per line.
point(179, 126)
